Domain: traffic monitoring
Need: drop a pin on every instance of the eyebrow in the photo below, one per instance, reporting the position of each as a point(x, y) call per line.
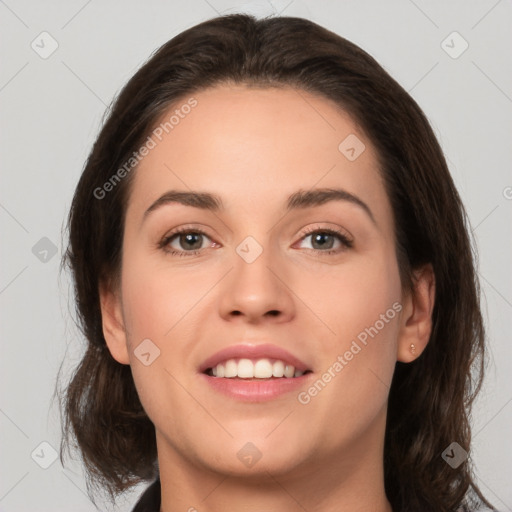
point(301, 199)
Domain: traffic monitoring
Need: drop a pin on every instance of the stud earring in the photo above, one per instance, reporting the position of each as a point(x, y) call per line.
point(413, 349)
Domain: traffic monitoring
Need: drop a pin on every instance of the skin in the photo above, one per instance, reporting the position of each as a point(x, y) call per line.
point(254, 147)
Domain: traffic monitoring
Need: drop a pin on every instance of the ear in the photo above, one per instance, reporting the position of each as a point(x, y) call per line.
point(416, 319)
point(113, 323)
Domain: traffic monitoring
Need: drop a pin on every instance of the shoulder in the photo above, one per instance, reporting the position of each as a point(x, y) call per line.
point(150, 499)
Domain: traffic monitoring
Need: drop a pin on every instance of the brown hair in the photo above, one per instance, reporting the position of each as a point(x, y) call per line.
point(430, 399)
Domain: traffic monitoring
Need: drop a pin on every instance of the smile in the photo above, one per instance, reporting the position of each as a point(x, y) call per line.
point(254, 369)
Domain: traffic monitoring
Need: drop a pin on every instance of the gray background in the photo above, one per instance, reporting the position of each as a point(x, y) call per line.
point(51, 110)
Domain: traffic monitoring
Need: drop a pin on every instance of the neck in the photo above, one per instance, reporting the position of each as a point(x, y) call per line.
point(344, 481)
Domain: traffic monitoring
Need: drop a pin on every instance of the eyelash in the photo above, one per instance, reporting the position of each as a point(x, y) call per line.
point(346, 242)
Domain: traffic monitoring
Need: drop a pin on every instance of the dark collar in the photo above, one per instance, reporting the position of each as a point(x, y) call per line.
point(150, 500)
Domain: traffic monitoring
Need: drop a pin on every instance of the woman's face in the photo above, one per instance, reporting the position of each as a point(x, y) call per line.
point(262, 276)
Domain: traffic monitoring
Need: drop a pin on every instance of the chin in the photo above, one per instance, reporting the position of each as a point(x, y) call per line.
point(256, 455)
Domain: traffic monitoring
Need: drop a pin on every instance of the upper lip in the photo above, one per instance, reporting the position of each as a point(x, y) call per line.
point(251, 351)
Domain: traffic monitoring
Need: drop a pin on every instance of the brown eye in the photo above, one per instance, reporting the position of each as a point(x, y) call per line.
point(323, 240)
point(186, 242)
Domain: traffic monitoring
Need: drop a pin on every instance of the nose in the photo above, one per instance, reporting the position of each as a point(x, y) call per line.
point(257, 290)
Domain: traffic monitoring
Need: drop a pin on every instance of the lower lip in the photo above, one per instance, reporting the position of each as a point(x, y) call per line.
point(256, 390)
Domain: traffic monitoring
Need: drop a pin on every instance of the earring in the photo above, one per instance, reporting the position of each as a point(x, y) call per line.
point(413, 349)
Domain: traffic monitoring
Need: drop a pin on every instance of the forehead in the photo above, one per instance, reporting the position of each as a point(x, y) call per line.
point(256, 146)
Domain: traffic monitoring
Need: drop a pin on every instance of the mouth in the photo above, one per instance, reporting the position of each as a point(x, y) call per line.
point(255, 369)
point(254, 373)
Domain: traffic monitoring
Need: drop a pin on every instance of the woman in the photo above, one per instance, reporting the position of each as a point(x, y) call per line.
point(275, 279)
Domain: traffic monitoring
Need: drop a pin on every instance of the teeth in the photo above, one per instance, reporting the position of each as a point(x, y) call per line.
point(263, 369)
point(230, 369)
point(260, 369)
point(278, 369)
point(289, 371)
point(245, 369)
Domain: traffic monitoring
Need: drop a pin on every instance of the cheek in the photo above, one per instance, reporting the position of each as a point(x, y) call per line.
point(361, 308)
point(155, 298)
point(373, 306)
point(154, 305)
point(353, 297)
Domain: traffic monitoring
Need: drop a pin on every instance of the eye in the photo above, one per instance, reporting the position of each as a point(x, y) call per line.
point(189, 242)
point(323, 240)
